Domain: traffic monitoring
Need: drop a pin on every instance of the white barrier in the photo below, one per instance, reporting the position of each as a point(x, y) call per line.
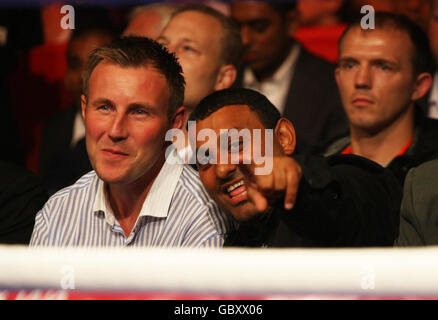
point(392, 271)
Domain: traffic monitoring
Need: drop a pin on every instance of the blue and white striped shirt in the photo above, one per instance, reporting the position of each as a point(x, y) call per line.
point(177, 212)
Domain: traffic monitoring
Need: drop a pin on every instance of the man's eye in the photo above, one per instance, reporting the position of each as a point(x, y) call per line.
point(104, 107)
point(235, 147)
point(384, 67)
point(347, 65)
point(187, 48)
point(260, 27)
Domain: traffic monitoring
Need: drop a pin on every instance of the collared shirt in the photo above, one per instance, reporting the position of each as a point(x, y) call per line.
point(177, 212)
point(433, 100)
point(276, 87)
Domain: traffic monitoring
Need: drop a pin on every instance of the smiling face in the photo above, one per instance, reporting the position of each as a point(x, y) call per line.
point(224, 181)
point(126, 121)
point(195, 38)
point(375, 77)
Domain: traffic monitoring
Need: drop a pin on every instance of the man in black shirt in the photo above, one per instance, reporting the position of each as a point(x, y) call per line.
point(285, 200)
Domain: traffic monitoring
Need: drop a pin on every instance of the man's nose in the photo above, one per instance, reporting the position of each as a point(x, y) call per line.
point(363, 77)
point(246, 36)
point(225, 170)
point(118, 130)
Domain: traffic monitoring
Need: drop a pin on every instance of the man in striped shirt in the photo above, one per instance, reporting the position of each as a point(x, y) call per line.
point(133, 94)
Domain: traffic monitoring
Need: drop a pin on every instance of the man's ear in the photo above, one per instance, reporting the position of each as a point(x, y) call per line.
point(285, 134)
point(179, 118)
point(422, 85)
point(83, 105)
point(226, 77)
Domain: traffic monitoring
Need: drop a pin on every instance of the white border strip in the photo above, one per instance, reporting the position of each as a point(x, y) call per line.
point(250, 271)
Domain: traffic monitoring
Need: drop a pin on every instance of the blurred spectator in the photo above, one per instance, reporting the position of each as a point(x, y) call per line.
point(65, 128)
point(208, 47)
point(319, 12)
point(287, 74)
point(149, 20)
point(416, 10)
point(433, 39)
point(382, 74)
point(37, 85)
point(321, 26)
point(378, 5)
point(21, 197)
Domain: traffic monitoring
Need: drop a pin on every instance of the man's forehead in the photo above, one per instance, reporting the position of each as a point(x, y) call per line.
point(392, 41)
point(199, 22)
point(231, 116)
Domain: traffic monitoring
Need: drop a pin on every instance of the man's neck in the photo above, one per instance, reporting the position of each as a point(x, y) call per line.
point(270, 70)
point(382, 147)
point(127, 200)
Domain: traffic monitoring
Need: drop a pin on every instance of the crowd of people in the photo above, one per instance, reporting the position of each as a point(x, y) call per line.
point(352, 146)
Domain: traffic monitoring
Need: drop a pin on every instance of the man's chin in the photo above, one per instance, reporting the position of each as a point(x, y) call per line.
point(243, 212)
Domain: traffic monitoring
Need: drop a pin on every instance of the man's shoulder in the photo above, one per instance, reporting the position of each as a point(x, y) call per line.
point(191, 183)
point(425, 174)
point(83, 187)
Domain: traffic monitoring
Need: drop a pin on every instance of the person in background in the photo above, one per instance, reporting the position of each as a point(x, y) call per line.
point(149, 20)
point(207, 44)
point(63, 158)
point(382, 73)
point(133, 92)
point(297, 82)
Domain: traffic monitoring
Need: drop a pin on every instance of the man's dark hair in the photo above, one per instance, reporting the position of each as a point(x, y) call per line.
point(231, 42)
point(422, 60)
point(283, 7)
point(140, 52)
point(257, 102)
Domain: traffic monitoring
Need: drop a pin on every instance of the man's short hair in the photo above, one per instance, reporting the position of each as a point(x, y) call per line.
point(140, 52)
point(231, 42)
point(422, 60)
point(267, 113)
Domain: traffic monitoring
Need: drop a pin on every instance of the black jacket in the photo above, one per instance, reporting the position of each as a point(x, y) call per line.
point(21, 197)
point(343, 201)
point(424, 147)
point(313, 103)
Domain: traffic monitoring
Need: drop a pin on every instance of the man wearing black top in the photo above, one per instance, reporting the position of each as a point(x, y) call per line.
point(342, 201)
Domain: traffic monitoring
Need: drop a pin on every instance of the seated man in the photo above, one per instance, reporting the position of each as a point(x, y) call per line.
point(300, 84)
point(303, 202)
point(382, 74)
point(207, 44)
point(133, 92)
point(419, 212)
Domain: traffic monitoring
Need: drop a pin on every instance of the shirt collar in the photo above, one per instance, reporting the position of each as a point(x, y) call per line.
point(282, 73)
point(157, 201)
